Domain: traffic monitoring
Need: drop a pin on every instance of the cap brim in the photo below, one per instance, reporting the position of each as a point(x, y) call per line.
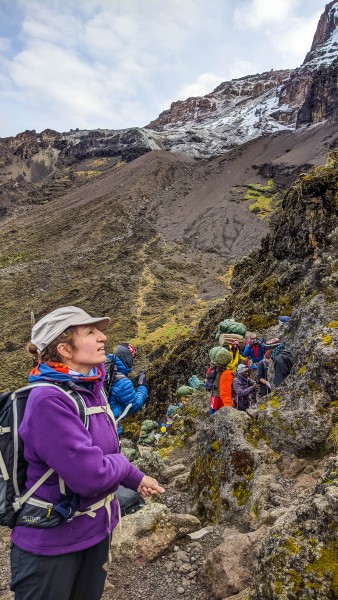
point(101, 322)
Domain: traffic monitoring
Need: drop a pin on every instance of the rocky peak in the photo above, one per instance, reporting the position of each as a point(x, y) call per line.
point(324, 47)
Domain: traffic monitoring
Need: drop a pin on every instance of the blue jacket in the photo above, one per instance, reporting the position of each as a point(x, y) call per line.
point(123, 392)
point(255, 353)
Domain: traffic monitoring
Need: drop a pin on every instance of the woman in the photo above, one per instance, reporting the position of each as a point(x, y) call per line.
point(243, 388)
point(68, 561)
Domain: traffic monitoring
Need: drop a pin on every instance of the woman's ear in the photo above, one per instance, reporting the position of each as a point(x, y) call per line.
point(64, 351)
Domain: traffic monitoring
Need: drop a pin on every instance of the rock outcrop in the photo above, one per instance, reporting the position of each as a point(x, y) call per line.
point(299, 558)
point(148, 533)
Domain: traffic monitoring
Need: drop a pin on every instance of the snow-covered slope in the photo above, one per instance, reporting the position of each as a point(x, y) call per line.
point(243, 109)
point(234, 113)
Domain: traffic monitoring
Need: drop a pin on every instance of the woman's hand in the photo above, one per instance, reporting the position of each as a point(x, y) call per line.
point(149, 487)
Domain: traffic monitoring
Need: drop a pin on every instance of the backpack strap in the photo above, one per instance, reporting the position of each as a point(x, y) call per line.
point(111, 374)
point(83, 413)
point(20, 501)
point(3, 468)
point(65, 387)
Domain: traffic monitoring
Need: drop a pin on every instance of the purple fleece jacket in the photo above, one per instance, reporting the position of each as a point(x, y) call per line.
point(88, 460)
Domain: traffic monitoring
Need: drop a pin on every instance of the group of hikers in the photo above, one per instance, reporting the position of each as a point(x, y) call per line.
point(236, 376)
point(64, 504)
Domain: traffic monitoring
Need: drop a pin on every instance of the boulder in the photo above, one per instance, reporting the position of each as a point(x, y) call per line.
point(231, 477)
point(229, 567)
point(150, 532)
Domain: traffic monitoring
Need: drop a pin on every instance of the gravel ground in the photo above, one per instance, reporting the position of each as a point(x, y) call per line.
point(177, 574)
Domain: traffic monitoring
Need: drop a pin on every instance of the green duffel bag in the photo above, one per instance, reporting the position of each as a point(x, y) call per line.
point(184, 390)
point(195, 382)
point(231, 326)
point(220, 356)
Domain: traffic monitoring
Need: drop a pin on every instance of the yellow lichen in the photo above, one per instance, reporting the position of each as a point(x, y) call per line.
point(327, 565)
point(292, 546)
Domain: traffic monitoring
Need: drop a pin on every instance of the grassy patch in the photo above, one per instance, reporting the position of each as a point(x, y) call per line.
point(262, 197)
point(8, 261)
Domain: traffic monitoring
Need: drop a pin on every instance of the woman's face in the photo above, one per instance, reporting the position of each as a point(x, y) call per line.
point(88, 350)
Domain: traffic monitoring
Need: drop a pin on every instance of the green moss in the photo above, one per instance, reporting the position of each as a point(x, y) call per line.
point(254, 434)
point(333, 324)
point(327, 565)
point(292, 546)
point(191, 410)
point(262, 203)
point(241, 492)
point(333, 437)
point(296, 579)
point(314, 387)
point(278, 587)
point(258, 322)
point(262, 206)
point(7, 261)
point(131, 428)
point(215, 446)
point(302, 370)
point(256, 509)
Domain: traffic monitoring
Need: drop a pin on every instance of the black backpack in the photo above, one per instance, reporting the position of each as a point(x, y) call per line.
point(13, 467)
point(112, 375)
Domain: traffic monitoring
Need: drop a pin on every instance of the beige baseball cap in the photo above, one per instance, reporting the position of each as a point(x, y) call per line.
point(52, 325)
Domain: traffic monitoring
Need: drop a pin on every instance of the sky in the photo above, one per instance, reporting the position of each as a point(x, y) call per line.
point(114, 64)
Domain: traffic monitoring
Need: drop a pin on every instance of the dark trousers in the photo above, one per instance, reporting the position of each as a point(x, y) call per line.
point(76, 576)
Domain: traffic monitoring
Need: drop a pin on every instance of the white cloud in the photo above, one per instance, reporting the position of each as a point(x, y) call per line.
point(295, 40)
point(204, 84)
point(107, 63)
point(262, 12)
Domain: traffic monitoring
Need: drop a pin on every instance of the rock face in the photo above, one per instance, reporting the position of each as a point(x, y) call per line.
point(231, 565)
point(324, 39)
point(230, 477)
point(299, 558)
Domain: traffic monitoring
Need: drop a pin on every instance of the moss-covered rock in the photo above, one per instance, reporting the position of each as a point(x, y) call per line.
point(299, 559)
point(230, 477)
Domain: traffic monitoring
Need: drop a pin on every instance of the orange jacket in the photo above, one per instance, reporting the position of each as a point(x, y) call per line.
point(225, 387)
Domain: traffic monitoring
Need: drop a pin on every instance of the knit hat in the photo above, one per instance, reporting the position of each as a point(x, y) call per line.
point(126, 353)
point(272, 343)
point(242, 368)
